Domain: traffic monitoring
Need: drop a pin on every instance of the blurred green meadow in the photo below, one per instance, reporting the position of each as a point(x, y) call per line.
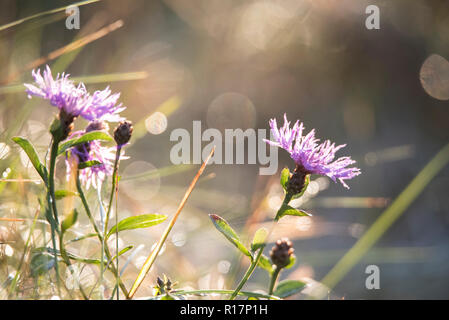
point(233, 64)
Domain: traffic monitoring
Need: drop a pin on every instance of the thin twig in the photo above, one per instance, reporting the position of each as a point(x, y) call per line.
point(152, 257)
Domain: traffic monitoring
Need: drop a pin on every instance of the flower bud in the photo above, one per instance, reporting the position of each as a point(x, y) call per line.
point(281, 253)
point(62, 126)
point(123, 132)
point(297, 181)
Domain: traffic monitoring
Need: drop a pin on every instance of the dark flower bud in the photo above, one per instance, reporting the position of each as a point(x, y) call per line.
point(297, 181)
point(281, 253)
point(123, 132)
point(62, 126)
point(97, 126)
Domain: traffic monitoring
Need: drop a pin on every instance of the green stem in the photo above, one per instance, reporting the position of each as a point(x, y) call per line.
point(248, 273)
point(99, 234)
point(114, 181)
point(51, 198)
point(274, 277)
point(69, 264)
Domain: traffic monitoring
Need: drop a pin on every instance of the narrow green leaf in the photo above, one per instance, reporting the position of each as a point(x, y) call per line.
point(32, 155)
point(90, 136)
point(89, 235)
point(88, 164)
point(259, 239)
point(229, 233)
point(264, 263)
point(60, 194)
point(288, 288)
point(285, 176)
point(124, 250)
point(287, 210)
point(69, 221)
point(72, 256)
point(140, 221)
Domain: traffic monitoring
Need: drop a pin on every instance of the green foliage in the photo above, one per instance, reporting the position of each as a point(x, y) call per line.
point(69, 221)
point(287, 210)
point(60, 194)
point(285, 176)
point(32, 155)
point(259, 239)
point(229, 233)
point(136, 222)
point(292, 262)
point(264, 263)
point(88, 164)
point(288, 288)
point(87, 137)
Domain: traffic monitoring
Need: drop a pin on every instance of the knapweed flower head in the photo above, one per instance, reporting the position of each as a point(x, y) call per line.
point(282, 252)
point(74, 100)
point(310, 156)
point(92, 151)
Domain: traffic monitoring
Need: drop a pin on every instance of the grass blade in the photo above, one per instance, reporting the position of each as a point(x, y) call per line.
point(152, 257)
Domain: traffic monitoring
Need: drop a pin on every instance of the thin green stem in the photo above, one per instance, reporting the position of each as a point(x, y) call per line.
point(66, 259)
point(99, 234)
point(274, 277)
point(248, 273)
point(54, 221)
point(114, 181)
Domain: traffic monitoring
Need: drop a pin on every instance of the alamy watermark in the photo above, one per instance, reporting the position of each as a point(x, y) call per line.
point(373, 20)
point(373, 280)
point(73, 17)
point(233, 140)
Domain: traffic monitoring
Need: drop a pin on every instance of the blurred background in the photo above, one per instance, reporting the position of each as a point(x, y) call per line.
point(233, 64)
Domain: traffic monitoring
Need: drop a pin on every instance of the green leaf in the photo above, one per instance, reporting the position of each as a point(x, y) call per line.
point(259, 239)
point(287, 210)
point(72, 256)
point(124, 250)
point(264, 263)
point(41, 262)
point(69, 221)
point(60, 194)
point(136, 222)
point(87, 137)
point(229, 233)
point(285, 176)
point(292, 262)
point(89, 235)
point(88, 164)
point(288, 288)
point(32, 155)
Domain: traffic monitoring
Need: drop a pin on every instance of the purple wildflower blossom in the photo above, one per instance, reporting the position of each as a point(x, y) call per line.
point(91, 151)
point(310, 156)
point(75, 100)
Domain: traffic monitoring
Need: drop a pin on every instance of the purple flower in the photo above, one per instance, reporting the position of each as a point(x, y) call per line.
point(310, 156)
point(61, 92)
point(75, 100)
point(91, 151)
